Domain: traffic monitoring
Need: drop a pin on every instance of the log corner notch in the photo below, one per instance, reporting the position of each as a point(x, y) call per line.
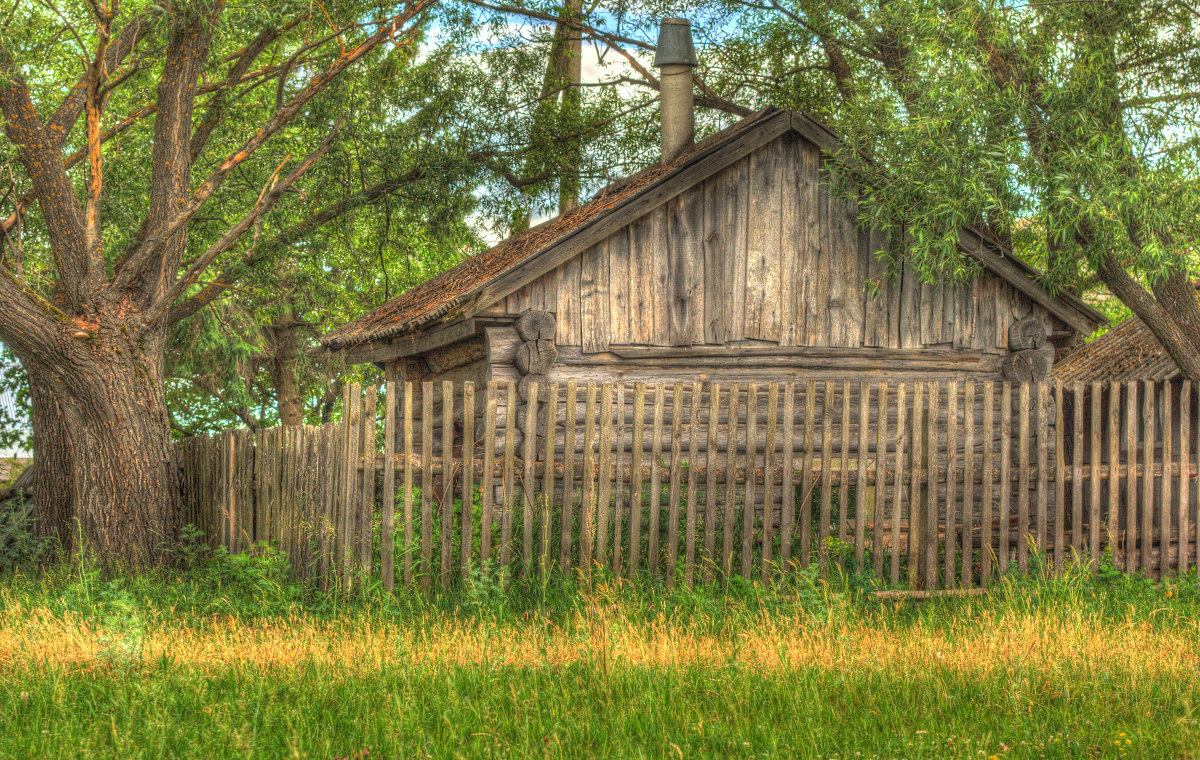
point(1032, 356)
point(537, 352)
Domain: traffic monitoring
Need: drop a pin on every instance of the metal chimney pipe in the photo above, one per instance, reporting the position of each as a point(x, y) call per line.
point(674, 58)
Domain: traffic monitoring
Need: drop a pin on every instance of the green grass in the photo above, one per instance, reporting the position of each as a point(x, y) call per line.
point(232, 659)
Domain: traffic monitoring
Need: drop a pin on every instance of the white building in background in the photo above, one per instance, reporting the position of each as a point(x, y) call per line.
point(9, 408)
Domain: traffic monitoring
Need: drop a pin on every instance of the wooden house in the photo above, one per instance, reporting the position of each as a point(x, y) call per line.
point(732, 262)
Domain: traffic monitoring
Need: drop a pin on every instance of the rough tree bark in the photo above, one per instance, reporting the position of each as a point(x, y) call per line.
point(93, 339)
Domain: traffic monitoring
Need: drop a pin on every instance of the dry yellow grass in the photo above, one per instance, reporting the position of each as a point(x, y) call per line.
point(1050, 641)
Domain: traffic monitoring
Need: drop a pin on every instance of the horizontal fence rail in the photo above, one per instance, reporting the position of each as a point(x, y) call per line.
point(929, 485)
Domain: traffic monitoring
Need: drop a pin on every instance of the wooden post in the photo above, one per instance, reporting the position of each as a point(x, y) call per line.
point(898, 483)
point(1094, 507)
point(467, 520)
point(510, 485)
point(731, 426)
point(751, 476)
point(968, 507)
point(425, 568)
point(568, 502)
point(1164, 531)
point(487, 493)
point(408, 482)
point(635, 479)
point(710, 486)
point(1148, 446)
point(587, 512)
point(880, 512)
point(656, 475)
point(917, 491)
point(860, 489)
point(952, 512)
point(823, 528)
point(387, 546)
point(549, 464)
point(606, 472)
point(528, 474)
point(1131, 489)
point(692, 483)
point(1185, 473)
point(1023, 480)
point(768, 517)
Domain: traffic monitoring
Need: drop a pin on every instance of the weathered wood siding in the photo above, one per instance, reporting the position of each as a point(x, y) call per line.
point(762, 251)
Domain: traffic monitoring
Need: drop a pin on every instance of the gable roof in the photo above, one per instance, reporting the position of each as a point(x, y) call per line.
point(1127, 352)
point(483, 279)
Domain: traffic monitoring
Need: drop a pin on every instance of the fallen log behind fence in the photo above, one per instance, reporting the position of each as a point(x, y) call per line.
point(918, 484)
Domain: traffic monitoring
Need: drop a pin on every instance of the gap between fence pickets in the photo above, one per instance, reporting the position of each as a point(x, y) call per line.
point(575, 465)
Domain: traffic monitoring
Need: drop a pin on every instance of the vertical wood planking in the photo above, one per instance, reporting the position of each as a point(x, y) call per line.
point(677, 416)
point(568, 500)
point(487, 486)
point(692, 483)
point(606, 472)
point(635, 479)
point(751, 476)
point(729, 507)
point(656, 475)
point(860, 492)
point(424, 567)
point(710, 484)
point(587, 511)
point(467, 521)
point(787, 512)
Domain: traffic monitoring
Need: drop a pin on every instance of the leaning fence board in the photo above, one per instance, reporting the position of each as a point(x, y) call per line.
point(1023, 480)
point(1043, 467)
point(1077, 532)
point(1094, 510)
point(447, 500)
point(986, 545)
point(408, 481)
point(806, 483)
point(619, 478)
point(918, 467)
point(843, 470)
point(367, 496)
point(929, 534)
point(769, 467)
point(1114, 464)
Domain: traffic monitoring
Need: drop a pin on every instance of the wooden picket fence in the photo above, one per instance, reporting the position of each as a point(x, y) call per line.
point(921, 484)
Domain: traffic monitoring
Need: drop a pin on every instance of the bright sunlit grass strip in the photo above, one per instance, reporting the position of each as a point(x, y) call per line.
point(212, 666)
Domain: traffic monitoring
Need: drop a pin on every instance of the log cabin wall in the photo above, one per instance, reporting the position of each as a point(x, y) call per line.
point(762, 254)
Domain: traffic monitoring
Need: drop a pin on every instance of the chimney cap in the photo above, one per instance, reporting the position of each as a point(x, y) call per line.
point(675, 43)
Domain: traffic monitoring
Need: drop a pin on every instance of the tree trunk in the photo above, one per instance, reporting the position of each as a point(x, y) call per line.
point(106, 464)
point(285, 355)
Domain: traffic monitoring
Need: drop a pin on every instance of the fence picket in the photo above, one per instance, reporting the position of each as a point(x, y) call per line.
point(692, 484)
point(467, 545)
point(656, 439)
point(673, 493)
point(424, 567)
point(710, 484)
point(312, 490)
point(787, 511)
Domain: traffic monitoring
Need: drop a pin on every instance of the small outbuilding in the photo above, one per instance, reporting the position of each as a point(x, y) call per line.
point(729, 260)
